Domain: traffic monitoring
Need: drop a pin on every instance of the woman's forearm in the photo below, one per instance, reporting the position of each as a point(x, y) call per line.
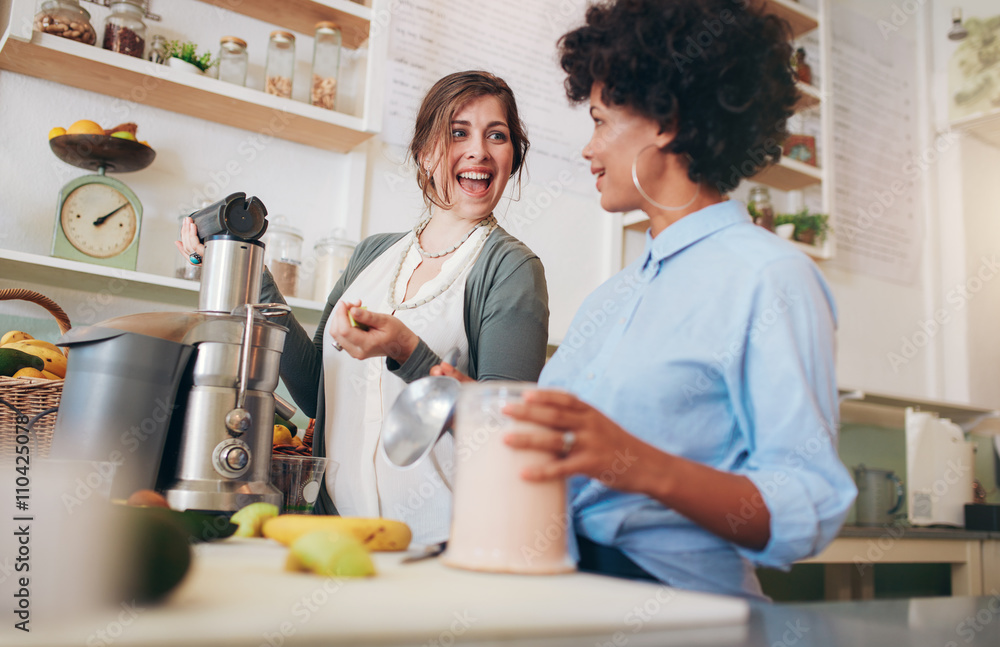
point(728, 505)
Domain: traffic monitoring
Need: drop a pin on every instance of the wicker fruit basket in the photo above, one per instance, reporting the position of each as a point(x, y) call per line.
point(28, 406)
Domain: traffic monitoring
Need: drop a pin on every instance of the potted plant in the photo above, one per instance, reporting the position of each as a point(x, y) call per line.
point(810, 228)
point(185, 56)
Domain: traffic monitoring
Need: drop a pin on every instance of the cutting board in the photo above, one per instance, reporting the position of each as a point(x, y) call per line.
point(237, 593)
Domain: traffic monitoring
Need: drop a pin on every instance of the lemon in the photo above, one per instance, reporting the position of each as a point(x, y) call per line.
point(58, 131)
point(282, 436)
point(85, 127)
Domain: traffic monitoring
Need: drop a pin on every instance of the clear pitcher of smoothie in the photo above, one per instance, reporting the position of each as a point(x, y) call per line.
point(500, 522)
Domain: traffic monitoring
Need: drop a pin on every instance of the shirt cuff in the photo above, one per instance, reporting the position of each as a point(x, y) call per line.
point(418, 365)
point(796, 531)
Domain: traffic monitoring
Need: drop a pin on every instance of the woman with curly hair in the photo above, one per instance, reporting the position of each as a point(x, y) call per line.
point(693, 401)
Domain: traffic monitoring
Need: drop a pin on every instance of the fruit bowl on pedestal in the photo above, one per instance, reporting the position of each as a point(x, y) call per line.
point(93, 152)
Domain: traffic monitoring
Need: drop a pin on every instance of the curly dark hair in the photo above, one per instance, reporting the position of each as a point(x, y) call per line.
point(715, 72)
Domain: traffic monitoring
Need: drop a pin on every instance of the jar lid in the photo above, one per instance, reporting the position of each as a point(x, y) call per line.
point(283, 35)
point(232, 39)
point(141, 4)
point(327, 25)
point(280, 225)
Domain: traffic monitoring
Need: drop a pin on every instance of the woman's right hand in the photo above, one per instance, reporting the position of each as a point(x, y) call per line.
point(386, 336)
point(190, 244)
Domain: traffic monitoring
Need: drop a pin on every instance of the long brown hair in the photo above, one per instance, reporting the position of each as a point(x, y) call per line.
point(433, 127)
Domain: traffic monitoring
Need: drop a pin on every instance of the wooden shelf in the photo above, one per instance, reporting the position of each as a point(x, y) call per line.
point(133, 79)
point(801, 19)
point(982, 126)
point(789, 175)
point(58, 272)
point(809, 97)
point(862, 407)
point(302, 15)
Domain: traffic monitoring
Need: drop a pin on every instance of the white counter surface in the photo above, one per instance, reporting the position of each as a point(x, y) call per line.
point(237, 593)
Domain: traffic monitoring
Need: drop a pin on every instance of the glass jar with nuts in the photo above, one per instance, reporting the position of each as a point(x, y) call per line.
point(65, 18)
point(280, 69)
point(326, 65)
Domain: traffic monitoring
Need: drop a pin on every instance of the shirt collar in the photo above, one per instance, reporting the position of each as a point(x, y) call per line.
point(692, 228)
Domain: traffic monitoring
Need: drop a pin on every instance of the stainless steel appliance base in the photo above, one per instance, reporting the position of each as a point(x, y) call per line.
point(221, 496)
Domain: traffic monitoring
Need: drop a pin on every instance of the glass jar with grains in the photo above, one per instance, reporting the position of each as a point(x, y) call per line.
point(233, 60)
point(326, 65)
point(283, 254)
point(67, 19)
point(124, 30)
point(280, 69)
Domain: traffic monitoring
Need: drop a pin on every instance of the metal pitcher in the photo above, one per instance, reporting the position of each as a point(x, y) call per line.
point(880, 495)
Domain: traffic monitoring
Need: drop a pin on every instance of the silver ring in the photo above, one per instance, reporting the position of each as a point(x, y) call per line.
point(337, 346)
point(569, 441)
point(195, 258)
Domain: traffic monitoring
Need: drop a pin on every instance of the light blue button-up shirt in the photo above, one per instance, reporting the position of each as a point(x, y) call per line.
point(717, 345)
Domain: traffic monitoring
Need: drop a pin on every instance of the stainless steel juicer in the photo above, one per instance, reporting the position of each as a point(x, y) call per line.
point(184, 402)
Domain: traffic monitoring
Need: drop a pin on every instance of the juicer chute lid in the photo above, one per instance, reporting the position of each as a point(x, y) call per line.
point(235, 215)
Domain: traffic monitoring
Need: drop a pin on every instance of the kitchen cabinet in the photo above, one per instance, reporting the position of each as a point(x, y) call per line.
point(789, 176)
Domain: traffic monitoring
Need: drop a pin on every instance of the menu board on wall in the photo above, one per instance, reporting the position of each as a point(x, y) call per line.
point(515, 40)
point(878, 164)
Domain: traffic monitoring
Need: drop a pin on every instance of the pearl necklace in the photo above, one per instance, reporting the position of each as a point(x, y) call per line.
point(489, 222)
point(419, 229)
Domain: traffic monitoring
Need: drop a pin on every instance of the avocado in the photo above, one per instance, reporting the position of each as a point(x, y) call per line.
point(13, 360)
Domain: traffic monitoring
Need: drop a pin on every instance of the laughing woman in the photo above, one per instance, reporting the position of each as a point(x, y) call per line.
point(456, 281)
point(699, 423)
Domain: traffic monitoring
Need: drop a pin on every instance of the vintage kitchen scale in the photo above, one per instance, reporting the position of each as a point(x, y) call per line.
point(184, 402)
point(98, 217)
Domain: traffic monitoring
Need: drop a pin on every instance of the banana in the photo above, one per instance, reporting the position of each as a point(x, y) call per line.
point(28, 371)
point(42, 344)
point(374, 534)
point(50, 376)
point(55, 361)
point(13, 360)
point(14, 335)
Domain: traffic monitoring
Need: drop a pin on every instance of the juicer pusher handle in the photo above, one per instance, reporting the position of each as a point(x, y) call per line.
point(239, 419)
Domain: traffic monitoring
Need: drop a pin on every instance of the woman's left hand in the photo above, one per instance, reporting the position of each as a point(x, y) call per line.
point(597, 448)
point(386, 336)
point(189, 244)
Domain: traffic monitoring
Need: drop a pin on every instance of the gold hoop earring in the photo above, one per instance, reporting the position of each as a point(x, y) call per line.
point(635, 181)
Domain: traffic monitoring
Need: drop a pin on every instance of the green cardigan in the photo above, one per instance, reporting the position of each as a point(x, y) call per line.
point(506, 323)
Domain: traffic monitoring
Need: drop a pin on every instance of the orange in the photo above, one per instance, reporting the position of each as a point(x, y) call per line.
point(84, 127)
point(57, 132)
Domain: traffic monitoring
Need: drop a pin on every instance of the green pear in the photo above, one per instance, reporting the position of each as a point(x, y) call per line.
point(330, 554)
point(251, 518)
point(359, 326)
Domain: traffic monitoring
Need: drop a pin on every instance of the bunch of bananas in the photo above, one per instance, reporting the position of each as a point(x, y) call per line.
point(21, 355)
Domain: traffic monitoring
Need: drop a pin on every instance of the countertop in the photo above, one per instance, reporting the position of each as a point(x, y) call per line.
point(917, 532)
point(237, 594)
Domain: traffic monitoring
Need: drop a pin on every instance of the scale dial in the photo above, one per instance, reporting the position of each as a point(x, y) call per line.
point(98, 220)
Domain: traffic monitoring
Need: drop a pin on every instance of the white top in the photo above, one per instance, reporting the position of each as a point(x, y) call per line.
point(359, 478)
